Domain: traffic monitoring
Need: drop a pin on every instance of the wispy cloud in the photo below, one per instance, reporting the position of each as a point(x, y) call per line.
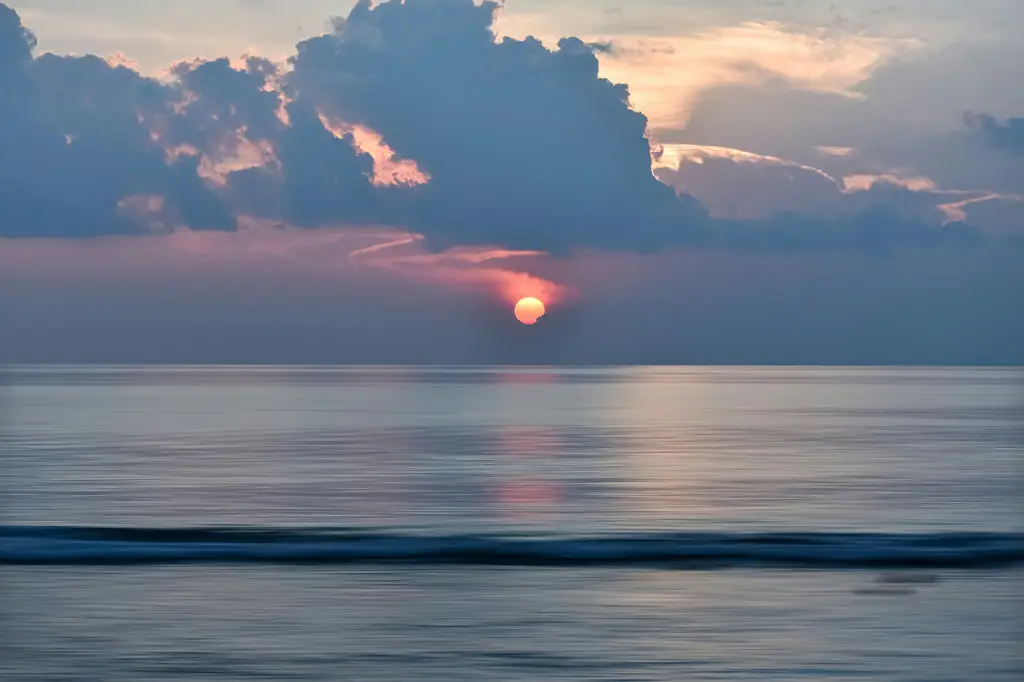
point(464, 267)
point(842, 152)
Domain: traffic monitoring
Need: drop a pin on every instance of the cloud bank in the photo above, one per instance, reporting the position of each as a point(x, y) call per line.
point(407, 114)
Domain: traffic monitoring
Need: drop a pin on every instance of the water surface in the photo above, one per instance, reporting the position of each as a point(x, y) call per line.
point(805, 523)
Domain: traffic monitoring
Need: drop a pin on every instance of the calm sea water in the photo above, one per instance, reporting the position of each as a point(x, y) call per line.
point(487, 523)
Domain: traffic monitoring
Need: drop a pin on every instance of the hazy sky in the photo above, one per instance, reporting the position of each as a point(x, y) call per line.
point(681, 181)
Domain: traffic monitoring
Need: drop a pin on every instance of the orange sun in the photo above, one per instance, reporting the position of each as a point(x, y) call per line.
point(529, 310)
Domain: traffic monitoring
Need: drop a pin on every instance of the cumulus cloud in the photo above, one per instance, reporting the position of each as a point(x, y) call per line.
point(75, 147)
point(525, 146)
point(410, 114)
point(16, 42)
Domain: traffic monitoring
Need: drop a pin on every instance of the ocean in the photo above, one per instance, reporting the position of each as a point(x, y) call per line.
point(490, 523)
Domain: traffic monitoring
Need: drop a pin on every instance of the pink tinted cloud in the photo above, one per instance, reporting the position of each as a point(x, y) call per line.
point(388, 168)
point(465, 267)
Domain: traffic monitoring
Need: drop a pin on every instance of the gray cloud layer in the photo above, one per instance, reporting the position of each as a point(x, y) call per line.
point(525, 147)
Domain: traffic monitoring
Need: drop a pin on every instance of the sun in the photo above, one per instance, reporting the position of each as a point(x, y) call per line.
point(529, 310)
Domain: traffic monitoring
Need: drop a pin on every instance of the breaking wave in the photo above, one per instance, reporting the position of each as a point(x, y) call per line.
point(93, 545)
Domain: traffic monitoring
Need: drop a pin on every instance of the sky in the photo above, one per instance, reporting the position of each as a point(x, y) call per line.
point(680, 181)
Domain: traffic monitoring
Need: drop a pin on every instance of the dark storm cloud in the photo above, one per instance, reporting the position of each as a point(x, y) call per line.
point(525, 146)
point(1007, 135)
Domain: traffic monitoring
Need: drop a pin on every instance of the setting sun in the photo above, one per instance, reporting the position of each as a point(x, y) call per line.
point(529, 310)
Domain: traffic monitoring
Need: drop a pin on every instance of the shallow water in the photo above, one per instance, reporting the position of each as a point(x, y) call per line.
point(654, 523)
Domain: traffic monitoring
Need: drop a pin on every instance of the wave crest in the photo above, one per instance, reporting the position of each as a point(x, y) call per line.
point(94, 545)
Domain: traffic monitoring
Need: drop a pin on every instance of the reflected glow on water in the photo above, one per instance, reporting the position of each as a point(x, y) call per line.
point(494, 450)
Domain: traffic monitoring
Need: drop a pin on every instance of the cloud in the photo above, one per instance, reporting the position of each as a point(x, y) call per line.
point(16, 42)
point(465, 267)
point(1008, 134)
point(218, 101)
point(909, 116)
point(995, 214)
point(408, 114)
point(736, 184)
point(384, 196)
point(321, 180)
point(525, 146)
point(733, 183)
point(74, 146)
point(669, 74)
point(842, 152)
point(388, 168)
